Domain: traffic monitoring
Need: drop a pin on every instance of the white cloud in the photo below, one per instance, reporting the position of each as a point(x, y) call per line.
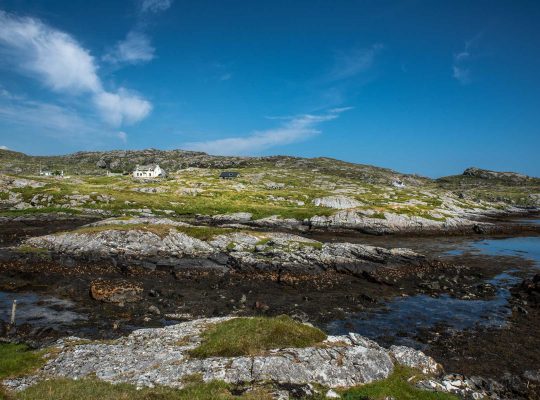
point(225, 77)
point(294, 130)
point(155, 6)
point(136, 48)
point(4, 148)
point(53, 56)
point(352, 63)
point(122, 136)
point(62, 64)
point(461, 69)
point(122, 107)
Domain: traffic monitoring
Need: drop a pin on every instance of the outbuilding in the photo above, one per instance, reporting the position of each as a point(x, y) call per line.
point(229, 175)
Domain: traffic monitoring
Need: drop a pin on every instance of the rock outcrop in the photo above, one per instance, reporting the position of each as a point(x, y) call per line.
point(487, 174)
point(389, 223)
point(339, 202)
point(150, 357)
point(240, 251)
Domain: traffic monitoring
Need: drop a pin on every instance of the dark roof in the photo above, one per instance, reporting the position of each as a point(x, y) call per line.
point(229, 174)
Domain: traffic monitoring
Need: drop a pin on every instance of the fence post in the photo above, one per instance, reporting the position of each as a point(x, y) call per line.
point(13, 312)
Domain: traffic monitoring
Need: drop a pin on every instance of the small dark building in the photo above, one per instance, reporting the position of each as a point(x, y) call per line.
point(229, 175)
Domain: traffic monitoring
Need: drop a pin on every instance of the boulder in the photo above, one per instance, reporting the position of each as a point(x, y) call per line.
point(415, 359)
point(339, 202)
point(115, 291)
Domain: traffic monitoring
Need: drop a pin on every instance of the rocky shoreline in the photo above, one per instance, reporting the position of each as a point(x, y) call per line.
point(242, 251)
point(126, 276)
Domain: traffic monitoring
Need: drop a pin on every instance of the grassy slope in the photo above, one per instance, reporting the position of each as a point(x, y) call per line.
point(303, 180)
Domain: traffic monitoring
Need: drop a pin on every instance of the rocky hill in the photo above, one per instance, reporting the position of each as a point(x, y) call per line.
point(97, 163)
point(277, 192)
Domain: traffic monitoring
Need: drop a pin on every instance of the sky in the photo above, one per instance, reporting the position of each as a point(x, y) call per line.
point(429, 87)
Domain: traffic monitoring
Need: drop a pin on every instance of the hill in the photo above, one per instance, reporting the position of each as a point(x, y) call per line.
point(277, 191)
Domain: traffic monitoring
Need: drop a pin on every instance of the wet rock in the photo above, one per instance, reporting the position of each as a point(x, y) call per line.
point(275, 253)
point(115, 291)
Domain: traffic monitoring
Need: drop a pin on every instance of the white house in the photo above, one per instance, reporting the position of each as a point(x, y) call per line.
point(149, 171)
point(50, 173)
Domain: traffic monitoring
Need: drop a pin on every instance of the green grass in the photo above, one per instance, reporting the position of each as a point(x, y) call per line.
point(92, 389)
point(162, 230)
point(251, 336)
point(314, 245)
point(395, 386)
point(17, 359)
point(25, 249)
point(44, 210)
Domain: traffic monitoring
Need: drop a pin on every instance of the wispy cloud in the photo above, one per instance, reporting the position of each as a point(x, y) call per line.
point(294, 130)
point(4, 148)
point(225, 77)
point(122, 136)
point(351, 63)
point(63, 65)
point(155, 6)
point(50, 119)
point(135, 49)
point(461, 67)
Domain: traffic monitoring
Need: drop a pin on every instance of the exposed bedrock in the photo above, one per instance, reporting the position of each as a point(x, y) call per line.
point(240, 251)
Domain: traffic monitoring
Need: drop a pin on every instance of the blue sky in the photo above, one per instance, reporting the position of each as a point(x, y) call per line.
point(430, 87)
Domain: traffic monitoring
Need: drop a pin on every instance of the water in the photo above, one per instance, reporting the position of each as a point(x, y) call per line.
point(529, 221)
point(40, 311)
point(526, 247)
point(401, 319)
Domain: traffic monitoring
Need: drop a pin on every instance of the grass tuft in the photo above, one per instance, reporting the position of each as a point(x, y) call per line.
point(251, 336)
point(396, 386)
point(18, 359)
point(92, 389)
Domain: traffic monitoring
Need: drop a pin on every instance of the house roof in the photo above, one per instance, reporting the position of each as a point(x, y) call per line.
point(149, 167)
point(229, 174)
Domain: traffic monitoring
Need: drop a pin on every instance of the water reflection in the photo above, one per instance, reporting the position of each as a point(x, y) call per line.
point(38, 310)
point(401, 319)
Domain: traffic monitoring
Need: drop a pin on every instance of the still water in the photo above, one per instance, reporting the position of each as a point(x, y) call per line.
point(401, 319)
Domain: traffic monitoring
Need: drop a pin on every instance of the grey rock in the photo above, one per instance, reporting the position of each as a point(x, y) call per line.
point(415, 359)
point(149, 357)
point(339, 202)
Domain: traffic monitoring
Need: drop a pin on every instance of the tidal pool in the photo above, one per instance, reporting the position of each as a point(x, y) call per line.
point(402, 319)
point(39, 311)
